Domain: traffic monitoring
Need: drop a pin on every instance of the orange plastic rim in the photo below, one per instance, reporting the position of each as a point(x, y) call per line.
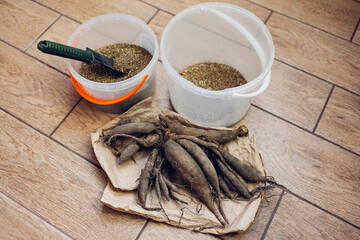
point(99, 101)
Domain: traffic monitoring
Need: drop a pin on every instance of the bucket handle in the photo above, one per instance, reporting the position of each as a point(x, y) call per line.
point(262, 88)
point(99, 101)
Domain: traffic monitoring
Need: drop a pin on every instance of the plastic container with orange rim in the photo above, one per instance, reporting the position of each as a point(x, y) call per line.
point(108, 29)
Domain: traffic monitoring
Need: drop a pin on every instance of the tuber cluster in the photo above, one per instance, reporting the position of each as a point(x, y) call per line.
point(196, 154)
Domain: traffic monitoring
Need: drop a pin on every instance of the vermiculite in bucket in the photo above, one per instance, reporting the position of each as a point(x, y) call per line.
point(213, 76)
point(128, 58)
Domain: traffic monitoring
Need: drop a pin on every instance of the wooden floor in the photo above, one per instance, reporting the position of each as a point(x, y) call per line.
point(307, 124)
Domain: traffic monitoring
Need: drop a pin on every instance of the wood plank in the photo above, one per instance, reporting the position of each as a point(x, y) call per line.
point(262, 218)
point(59, 186)
point(17, 222)
point(294, 96)
point(59, 32)
point(340, 122)
point(33, 91)
point(356, 38)
point(162, 231)
point(317, 52)
point(296, 219)
point(75, 131)
point(176, 6)
point(17, 16)
point(308, 165)
point(162, 96)
point(83, 10)
point(335, 16)
point(158, 24)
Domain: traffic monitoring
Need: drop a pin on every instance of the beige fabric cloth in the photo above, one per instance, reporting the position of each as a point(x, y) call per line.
point(120, 193)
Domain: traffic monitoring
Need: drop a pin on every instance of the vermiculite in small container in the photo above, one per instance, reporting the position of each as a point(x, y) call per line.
point(128, 58)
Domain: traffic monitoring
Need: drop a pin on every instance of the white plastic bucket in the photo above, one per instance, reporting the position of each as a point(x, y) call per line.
point(109, 29)
point(223, 33)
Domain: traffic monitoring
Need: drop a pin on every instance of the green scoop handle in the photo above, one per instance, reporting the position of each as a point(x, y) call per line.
point(66, 51)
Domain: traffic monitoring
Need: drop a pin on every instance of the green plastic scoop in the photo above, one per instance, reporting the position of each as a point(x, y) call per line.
point(88, 56)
